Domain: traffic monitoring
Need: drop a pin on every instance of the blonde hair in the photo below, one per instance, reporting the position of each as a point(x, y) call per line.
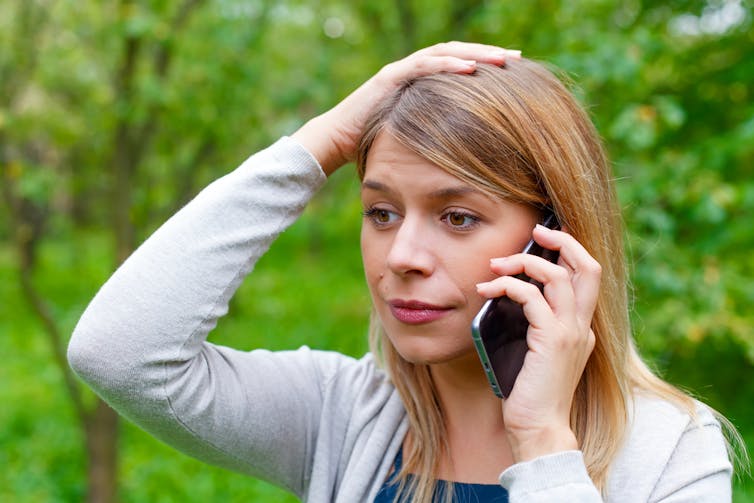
point(517, 133)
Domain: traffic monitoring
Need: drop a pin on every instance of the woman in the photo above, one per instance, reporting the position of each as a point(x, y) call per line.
point(460, 148)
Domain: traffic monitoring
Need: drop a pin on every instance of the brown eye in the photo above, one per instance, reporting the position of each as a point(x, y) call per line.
point(456, 219)
point(381, 217)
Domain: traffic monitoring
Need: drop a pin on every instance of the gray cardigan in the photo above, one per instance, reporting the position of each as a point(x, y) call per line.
point(320, 424)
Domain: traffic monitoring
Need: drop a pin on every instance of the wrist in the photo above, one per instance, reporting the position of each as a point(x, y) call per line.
point(314, 137)
point(529, 444)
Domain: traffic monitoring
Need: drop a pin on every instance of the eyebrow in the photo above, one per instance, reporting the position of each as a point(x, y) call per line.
point(443, 193)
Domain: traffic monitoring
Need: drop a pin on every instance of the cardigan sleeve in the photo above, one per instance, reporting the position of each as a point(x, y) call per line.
point(141, 342)
point(668, 457)
point(560, 476)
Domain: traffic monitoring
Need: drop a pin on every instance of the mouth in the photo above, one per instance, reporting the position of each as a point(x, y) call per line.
point(414, 312)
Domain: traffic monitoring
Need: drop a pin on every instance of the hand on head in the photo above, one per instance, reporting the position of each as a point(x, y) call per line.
point(334, 136)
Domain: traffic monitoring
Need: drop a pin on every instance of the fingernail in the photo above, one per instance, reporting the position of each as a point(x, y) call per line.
point(515, 54)
point(469, 62)
point(542, 227)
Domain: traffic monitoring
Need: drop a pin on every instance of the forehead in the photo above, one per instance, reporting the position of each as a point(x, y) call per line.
point(391, 166)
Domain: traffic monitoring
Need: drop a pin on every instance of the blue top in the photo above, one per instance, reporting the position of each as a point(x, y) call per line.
point(462, 492)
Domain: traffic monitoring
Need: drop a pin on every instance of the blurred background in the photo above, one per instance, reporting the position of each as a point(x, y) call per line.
point(113, 114)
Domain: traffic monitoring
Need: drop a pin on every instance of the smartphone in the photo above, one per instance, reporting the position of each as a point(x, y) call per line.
point(499, 329)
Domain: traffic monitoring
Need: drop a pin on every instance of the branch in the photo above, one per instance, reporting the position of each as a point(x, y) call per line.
point(26, 239)
point(161, 63)
point(29, 23)
point(408, 25)
point(460, 14)
point(186, 189)
point(123, 83)
point(123, 148)
point(164, 53)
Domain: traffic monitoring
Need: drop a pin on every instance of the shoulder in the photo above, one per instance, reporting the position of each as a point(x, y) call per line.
point(656, 423)
point(338, 374)
point(666, 449)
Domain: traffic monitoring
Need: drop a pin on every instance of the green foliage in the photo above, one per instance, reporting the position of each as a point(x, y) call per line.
point(668, 85)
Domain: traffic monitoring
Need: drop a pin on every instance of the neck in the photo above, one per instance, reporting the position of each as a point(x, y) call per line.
point(478, 446)
point(465, 395)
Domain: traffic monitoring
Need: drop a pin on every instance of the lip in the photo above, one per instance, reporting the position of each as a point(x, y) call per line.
point(414, 312)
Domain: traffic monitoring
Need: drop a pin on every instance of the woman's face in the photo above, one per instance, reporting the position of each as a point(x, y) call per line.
point(427, 240)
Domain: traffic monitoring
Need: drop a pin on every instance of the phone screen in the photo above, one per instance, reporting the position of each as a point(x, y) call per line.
point(499, 330)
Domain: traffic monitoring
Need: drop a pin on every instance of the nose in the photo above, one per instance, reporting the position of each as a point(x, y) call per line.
point(410, 251)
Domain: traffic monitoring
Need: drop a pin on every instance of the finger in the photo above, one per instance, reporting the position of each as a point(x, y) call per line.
point(420, 66)
point(455, 57)
point(536, 309)
point(586, 271)
point(468, 50)
point(558, 289)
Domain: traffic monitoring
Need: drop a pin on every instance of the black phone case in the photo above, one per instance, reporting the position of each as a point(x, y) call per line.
point(499, 330)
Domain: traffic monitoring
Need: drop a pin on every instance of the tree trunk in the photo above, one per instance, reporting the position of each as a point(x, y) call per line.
point(102, 453)
point(99, 424)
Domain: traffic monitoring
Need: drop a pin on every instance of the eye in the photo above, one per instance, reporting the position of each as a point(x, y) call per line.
point(381, 216)
point(460, 220)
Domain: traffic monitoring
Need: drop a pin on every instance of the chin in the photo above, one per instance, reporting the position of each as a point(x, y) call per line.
point(420, 351)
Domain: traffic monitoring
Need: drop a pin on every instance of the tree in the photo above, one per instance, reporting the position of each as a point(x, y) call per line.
point(113, 114)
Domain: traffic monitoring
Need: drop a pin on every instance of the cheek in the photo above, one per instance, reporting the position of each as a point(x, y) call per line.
point(372, 258)
point(466, 273)
point(472, 265)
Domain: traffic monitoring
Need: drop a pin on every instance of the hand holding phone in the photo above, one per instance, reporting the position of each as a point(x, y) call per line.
point(499, 329)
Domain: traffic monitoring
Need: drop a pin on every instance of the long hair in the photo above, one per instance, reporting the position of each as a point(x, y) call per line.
point(518, 134)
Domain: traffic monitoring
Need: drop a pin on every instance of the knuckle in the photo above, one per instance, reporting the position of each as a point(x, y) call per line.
point(420, 66)
point(561, 341)
point(594, 267)
point(442, 48)
point(387, 69)
point(560, 274)
point(530, 289)
point(591, 340)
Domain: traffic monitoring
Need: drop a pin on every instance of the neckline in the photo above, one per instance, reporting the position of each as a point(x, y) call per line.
point(398, 464)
